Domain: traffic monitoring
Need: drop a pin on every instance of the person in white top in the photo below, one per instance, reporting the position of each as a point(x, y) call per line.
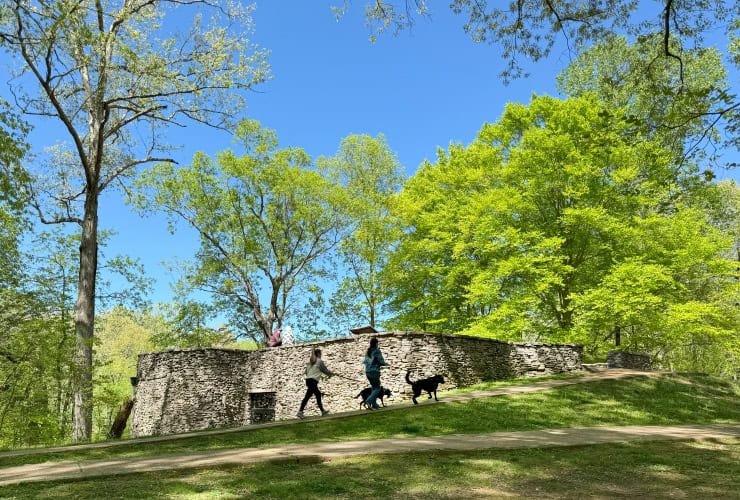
point(314, 370)
point(288, 338)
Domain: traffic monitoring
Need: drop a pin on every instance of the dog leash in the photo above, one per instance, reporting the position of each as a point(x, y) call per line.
point(347, 378)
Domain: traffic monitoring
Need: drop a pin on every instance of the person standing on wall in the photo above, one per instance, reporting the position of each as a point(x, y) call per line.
point(275, 341)
point(288, 338)
point(314, 370)
point(373, 361)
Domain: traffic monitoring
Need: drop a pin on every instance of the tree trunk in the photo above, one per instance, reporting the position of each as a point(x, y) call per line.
point(85, 319)
point(119, 424)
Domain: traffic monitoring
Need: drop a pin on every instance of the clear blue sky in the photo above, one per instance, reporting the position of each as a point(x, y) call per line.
point(423, 89)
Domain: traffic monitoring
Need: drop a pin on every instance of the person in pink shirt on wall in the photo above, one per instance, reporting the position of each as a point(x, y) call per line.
point(275, 339)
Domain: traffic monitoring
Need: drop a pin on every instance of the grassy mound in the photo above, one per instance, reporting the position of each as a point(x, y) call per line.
point(631, 470)
point(662, 400)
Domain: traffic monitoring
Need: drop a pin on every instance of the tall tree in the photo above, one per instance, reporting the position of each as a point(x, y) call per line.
point(516, 234)
point(633, 76)
point(371, 175)
point(114, 74)
point(265, 220)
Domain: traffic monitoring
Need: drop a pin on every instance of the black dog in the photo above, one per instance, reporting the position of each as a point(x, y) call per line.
point(366, 392)
point(425, 385)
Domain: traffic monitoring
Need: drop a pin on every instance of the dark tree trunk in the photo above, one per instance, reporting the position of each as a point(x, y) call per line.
point(617, 336)
point(119, 424)
point(85, 319)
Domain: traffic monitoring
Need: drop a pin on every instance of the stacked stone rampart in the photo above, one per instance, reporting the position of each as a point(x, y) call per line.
point(631, 360)
point(185, 390)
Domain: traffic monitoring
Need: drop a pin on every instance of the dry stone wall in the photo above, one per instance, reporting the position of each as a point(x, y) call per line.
point(631, 360)
point(185, 390)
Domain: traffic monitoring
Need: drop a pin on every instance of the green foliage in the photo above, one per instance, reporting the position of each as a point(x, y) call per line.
point(530, 30)
point(184, 325)
point(265, 221)
point(634, 77)
point(112, 75)
point(371, 175)
point(36, 347)
point(121, 336)
point(563, 222)
point(12, 149)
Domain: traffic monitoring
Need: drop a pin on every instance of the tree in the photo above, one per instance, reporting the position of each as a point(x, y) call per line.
point(633, 76)
point(265, 219)
point(13, 149)
point(532, 231)
point(371, 176)
point(531, 29)
point(184, 325)
point(122, 335)
point(114, 75)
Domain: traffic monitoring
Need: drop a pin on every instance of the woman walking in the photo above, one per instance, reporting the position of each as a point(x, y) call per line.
point(373, 361)
point(314, 369)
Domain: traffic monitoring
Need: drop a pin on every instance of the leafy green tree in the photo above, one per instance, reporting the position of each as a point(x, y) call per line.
point(533, 230)
point(433, 205)
point(671, 31)
point(121, 336)
point(13, 148)
point(114, 75)
point(185, 324)
point(265, 221)
point(634, 77)
point(371, 176)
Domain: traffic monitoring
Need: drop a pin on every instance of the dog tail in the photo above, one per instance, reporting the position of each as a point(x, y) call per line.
point(358, 395)
point(408, 379)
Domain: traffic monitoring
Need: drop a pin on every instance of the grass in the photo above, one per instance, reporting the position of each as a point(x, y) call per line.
point(630, 470)
point(664, 400)
point(515, 382)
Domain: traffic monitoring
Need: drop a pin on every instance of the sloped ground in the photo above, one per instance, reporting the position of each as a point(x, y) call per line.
point(658, 400)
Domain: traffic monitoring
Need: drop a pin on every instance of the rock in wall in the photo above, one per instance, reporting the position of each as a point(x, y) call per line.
point(184, 390)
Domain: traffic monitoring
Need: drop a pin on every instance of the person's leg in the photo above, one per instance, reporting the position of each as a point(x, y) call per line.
point(317, 391)
point(309, 392)
point(374, 380)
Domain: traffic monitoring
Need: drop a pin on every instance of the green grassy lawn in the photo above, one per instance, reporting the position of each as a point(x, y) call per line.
point(630, 470)
point(664, 400)
point(515, 382)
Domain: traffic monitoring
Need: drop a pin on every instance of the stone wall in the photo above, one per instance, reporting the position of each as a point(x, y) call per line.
point(184, 390)
point(631, 360)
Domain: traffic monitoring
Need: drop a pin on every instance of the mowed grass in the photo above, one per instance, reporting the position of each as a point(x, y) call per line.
point(658, 400)
point(632, 470)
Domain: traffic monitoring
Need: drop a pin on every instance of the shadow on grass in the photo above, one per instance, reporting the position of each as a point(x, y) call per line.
point(666, 400)
point(633, 470)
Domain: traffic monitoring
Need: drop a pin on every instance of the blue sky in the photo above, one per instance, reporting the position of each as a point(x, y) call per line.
point(423, 89)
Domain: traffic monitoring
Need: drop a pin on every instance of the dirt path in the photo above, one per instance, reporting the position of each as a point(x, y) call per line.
point(502, 391)
point(319, 452)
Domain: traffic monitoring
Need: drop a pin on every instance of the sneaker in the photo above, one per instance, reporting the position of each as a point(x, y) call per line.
point(324, 413)
point(375, 407)
point(299, 414)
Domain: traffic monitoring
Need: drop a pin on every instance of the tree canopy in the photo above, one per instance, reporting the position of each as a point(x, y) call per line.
point(265, 220)
point(531, 231)
point(114, 75)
